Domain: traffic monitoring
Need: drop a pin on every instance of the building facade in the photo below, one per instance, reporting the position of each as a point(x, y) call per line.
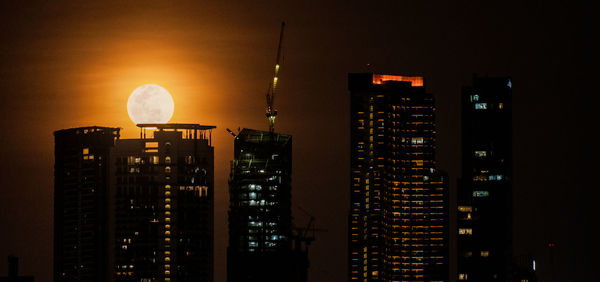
point(158, 197)
point(398, 221)
point(485, 189)
point(163, 204)
point(260, 220)
point(81, 198)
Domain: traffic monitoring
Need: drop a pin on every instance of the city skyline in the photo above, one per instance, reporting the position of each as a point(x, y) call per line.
point(66, 66)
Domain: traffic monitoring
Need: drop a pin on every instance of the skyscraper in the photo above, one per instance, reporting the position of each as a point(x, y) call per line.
point(81, 200)
point(150, 203)
point(485, 190)
point(398, 221)
point(260, 226)
point(163, 204)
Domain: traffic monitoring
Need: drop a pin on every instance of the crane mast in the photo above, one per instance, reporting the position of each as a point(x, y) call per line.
point(271, 111)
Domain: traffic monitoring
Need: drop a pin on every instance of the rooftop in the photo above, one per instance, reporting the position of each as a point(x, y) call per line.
point(415, 81)
point(161, 126)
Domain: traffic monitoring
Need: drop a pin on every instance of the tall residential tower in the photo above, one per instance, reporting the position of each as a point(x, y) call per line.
point(81, 203)
point(398, 221)
point(163, 204)
point(485, 190)
point(134, 209)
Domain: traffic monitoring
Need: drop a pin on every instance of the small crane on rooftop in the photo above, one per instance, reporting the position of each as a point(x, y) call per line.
point(271, 111)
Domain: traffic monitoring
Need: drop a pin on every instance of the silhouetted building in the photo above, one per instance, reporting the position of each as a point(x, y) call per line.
point(81, 203)
point(134, 209)
point(398, 221)
point(260, 227)
point(13, 272)
point(485, 190)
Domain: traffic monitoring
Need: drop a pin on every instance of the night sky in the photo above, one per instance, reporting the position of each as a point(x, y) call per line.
point(74, 64)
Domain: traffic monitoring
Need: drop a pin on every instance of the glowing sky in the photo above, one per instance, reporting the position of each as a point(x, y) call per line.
point(67, 64)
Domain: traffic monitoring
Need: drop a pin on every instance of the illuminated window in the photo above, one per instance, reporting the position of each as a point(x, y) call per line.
point(481, 106)
point(167, 200)
point(480, 178)
point(480, 194)
point(167, 219)
point(463, 276)
point(485, 254)
point(86, 151)
point(188, 159)
point(474, 98)
point(465, 231)
point(167, 232)
point(167, 207)
point(167, 187)
point(168, 169)
point(167, 239)
point(167, 226)
point(151, 144)
point(417, 140)
point(501, 106)
point(167, 193)
point(167, 160)
point(154, 159)
point(465, 208)
point(480, 154)
point(496, 177)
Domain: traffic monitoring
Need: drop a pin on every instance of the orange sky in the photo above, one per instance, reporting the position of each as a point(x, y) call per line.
point(67, 64)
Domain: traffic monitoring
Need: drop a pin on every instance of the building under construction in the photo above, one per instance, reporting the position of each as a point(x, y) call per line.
point(260, 220)
point(263, 245)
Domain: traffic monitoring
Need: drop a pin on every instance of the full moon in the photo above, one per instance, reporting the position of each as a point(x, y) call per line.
point(150, 103)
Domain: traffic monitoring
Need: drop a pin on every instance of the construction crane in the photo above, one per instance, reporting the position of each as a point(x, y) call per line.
point(231, 132)
point(271, 111)
point(303, 236)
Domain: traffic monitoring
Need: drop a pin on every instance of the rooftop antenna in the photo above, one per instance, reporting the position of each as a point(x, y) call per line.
point(271, 111)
